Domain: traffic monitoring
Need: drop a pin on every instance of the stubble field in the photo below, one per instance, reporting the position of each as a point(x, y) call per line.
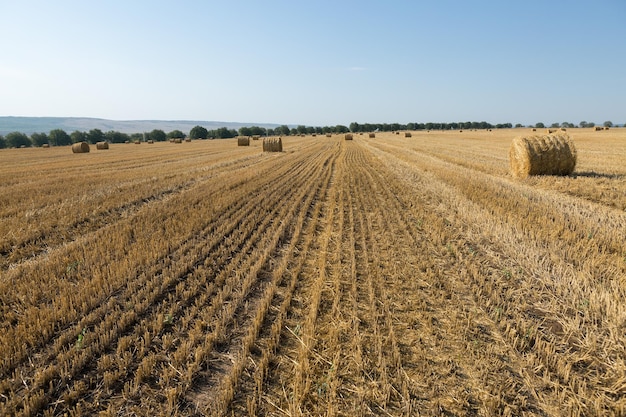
point(379, 276)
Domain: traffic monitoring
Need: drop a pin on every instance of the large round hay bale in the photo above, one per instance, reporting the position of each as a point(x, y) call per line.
point(329, 135)
point(542, 155)
point(80, 147)
point(243, 141)
point(178, 140)
point(45, 145)
point(272, 145)
point(348, 136)
point(372, 135)
point(407, 134)
point(102, 145)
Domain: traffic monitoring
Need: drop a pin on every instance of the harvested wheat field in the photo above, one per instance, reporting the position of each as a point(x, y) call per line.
point(386, 276)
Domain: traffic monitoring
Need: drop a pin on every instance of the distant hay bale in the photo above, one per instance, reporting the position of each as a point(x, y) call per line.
point(563, 129)
point(534, 130)
point(372, 135)
point(329, 135)
point(606, 128)
point(187, 139)
point(314, 135)
point(407, 134)
point(137, 142)
point(243, 141)
point(550, 131)
point(178, 140)
point(348, 136)
point(102, 145)
point(256, 137)
point(150, 141)
point(80, 147)
point(542, 155)
point(272, 145)
point(597, 128)
point(45, 145)
point(126, 141)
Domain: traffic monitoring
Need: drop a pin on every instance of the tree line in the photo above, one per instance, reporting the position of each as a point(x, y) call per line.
point(58, 137)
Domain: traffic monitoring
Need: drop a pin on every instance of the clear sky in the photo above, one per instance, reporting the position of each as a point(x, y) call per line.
point(317, 63)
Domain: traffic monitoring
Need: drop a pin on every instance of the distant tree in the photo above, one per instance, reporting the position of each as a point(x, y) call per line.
point(176, 134)
point(198, 132)
point(567, 125)
point(355, 127)
point(608, 123)
point(245, 131)
point(270, 132)
point(591, 124)
point(95, 136)
point(3, 142)
point(113, 136)
point(583, 124)
point(518, 125)
point(136, 137)
point(341, 129)
point(555, 125)
point(540, 125)
point(17, 140)
point(59, 137)
point(258, 131)
point(301, 129)
point(224, 133)
point(157, 135)
point(282, 130)
point(39, 139)
point(77, 136)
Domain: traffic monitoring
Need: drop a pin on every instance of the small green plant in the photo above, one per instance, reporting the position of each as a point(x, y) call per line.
point(72, 266)
point(79, 339)
point(168, 319)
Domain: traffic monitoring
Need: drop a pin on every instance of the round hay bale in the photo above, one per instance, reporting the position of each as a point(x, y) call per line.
point(256, 137)
point(550, 131)
point(542, 155)
point(534, 130)
point(598, 128)
point(102, 145)
point(272, 145)
point(372, 135)
point(187, 139)
point(178, 140)
point(328, 135)
point(407, 134)
point(80, 147)
point(45, 145)
point(243, 141)
point(150, 141)
point(348, 136)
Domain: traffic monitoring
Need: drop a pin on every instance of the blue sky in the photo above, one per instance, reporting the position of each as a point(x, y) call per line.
point(317, 62)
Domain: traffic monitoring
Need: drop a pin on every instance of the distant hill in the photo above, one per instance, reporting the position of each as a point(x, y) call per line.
point(29, 125)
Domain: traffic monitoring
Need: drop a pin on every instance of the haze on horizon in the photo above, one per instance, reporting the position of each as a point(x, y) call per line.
point(316, 63)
